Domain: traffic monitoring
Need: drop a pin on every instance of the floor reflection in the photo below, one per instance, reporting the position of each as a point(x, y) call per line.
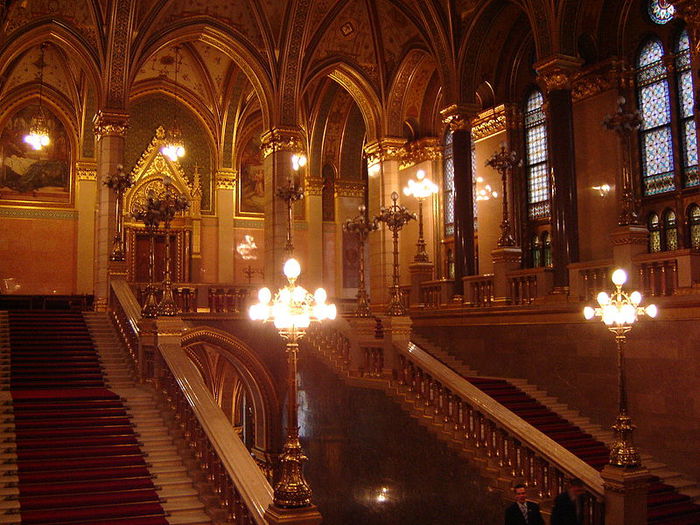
point(370, 463)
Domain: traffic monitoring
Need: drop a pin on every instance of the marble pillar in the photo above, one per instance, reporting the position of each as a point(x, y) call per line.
point(225, 195)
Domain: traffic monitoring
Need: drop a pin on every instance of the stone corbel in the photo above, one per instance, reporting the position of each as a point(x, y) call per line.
point(459, 116)
point(282, 139)
point(226, 179)
point(428, 148)
point(556, 73)
point(109, 123)
point(388, 148)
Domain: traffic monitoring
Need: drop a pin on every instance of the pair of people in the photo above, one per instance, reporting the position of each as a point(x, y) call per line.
point(568, 508)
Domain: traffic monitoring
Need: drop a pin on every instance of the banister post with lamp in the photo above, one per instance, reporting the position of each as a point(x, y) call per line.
point(625, 479)
point(292, 310)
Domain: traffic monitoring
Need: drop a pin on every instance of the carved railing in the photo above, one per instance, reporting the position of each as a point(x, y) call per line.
point(230, 300)
point(518, 448)
point(186, 295)
point(405, 294)
point(436, 294)
point(664, 273)
point(243, 490)
point(478, 290)
point(588, 278)
point(524, 286)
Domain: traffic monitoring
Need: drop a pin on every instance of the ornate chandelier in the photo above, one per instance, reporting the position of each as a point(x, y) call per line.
point(38, 135)
point(174, 147)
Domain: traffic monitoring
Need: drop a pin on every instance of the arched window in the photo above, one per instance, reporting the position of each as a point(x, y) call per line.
point(536, 251)
point(661, 11)
point(694, 226)
point(448, 186)
point(670, 231)
point(547, 249)
point(654, 233)
point(538, 190)
point(686, 104)
point(655, 133)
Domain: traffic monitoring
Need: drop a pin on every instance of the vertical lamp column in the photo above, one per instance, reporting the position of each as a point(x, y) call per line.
point(361, 226)
point(395, 217)
point(119, 182)
point(504, 161)
point(291, 193)
point(619, 311)
point(149, 214)
point(421, 190)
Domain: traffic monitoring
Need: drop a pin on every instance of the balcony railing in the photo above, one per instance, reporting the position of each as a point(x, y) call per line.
point(665, 273)
point(525, 286)
point(242, 488)
point(436, 294)
point(478, 290)
point(586, 279)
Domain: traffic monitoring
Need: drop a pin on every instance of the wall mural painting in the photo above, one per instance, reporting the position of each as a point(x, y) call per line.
point(351, 260)
point(251, 188)
point(33, 175)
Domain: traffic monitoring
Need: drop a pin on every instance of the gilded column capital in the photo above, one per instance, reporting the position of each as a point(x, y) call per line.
point(459, 116)
point(388, 148)
point(489, 122)
point(421, 150)
point(557, 72)
point(282, 139)
point(225, 179)
point(86, 171)
point(349, 188)
point(109, 123)
point(313, 186)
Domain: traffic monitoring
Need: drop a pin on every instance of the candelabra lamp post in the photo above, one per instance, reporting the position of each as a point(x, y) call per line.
point(421, 190)
point(149, 214)
point(292, 310)
point(118, 182)
point(625, 124)
point(619, 311)
point(168, 204)
point(291, 193)
point(504, 161)
point(361, 226)
point(395, 217)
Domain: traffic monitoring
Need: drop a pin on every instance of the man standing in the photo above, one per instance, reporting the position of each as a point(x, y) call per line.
point(523, 512)
point(568, 506)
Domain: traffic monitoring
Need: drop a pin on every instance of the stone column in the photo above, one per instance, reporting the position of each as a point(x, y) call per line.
point(383, 159)
point(279, 144)
point(554, 74)
point(625, 495)
point(110, 130)
point(85, 201)
point(225, 195)
point(313, 195)
point(458, 118)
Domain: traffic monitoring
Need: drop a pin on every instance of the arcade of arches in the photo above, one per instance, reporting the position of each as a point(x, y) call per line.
point(599, 101)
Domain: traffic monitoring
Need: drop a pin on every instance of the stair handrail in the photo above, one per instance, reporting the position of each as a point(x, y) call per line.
point(534, 439)
point(248, 483)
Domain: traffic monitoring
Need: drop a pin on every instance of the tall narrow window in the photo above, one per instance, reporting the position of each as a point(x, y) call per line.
point(654, 233)
point(694, 226)
point(538, 191)
point(670, 231)
point(686, 103)
point(655, 132)
point(448, 186)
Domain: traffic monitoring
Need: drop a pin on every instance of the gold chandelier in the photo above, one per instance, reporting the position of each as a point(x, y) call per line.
point(38, 135)
point(174, 147)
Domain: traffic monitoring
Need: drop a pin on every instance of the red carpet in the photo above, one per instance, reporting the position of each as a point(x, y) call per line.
point(78, 458)
point(666, 506)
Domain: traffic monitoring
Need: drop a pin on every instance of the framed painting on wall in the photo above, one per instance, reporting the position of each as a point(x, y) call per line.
point(251, 185)
point(32, 176)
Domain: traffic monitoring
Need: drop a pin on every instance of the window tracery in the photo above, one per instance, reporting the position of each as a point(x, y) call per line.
point(670, 231)
point(686, 104)
point(538, 186)
point(661, 11)
point(694, 226)
point(448, 186)
point(654, 233)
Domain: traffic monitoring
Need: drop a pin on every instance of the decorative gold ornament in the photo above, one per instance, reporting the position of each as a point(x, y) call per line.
point(86, 171)
point(110, 124)
point(291, 193)
point(489, 123)
point(504, 162)
point(459, 116)
point(619, 311)
point(361, 226)
point(422, 150)
point(386, 149)
point(282, 139)
point(556, 72)
point(38, 135)
point(350, 188)
point(313, 186)
point(118, 182)
point(226, 179)
point(421, 190)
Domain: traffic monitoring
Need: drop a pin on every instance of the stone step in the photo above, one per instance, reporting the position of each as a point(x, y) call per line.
point(190, 517)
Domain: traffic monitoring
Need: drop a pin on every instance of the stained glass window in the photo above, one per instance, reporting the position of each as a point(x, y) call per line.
point(655, 105)
point(670, 230)
point(661, 11)
point(538, 190)
point(547, 249)
point(686, 104)
point(536, 251)
point(654, 233)
point(448, 186)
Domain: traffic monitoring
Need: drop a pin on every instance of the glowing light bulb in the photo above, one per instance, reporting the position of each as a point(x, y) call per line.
point(298, 294)
point(420, 174)
point(603, 299)
point(636, 298)
point(588, 312)
point(264, 295)
point(292, 268)
point(320, 295)
point(619, 277)
point(651, 310)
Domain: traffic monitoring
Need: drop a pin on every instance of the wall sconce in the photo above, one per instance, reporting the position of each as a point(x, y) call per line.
point(603, 189)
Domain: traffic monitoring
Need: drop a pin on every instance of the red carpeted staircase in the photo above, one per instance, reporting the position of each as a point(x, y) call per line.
point(666, 506)
point(78, 459)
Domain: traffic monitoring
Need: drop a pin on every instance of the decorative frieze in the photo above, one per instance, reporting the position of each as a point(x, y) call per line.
point(557, 72)
point(86, 171)
point(489, 123)
point(428, 148)
point(349, 188)
point(226, 179)
point(110, 124)
point(313, 186)
point(459, 116)
point(389, 148)
point(282, 139)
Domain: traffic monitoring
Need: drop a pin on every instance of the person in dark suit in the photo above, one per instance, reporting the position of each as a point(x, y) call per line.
point(568, 506)
point(523, 512)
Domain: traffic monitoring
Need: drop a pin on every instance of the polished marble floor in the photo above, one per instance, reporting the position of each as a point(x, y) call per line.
point(370, 463)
